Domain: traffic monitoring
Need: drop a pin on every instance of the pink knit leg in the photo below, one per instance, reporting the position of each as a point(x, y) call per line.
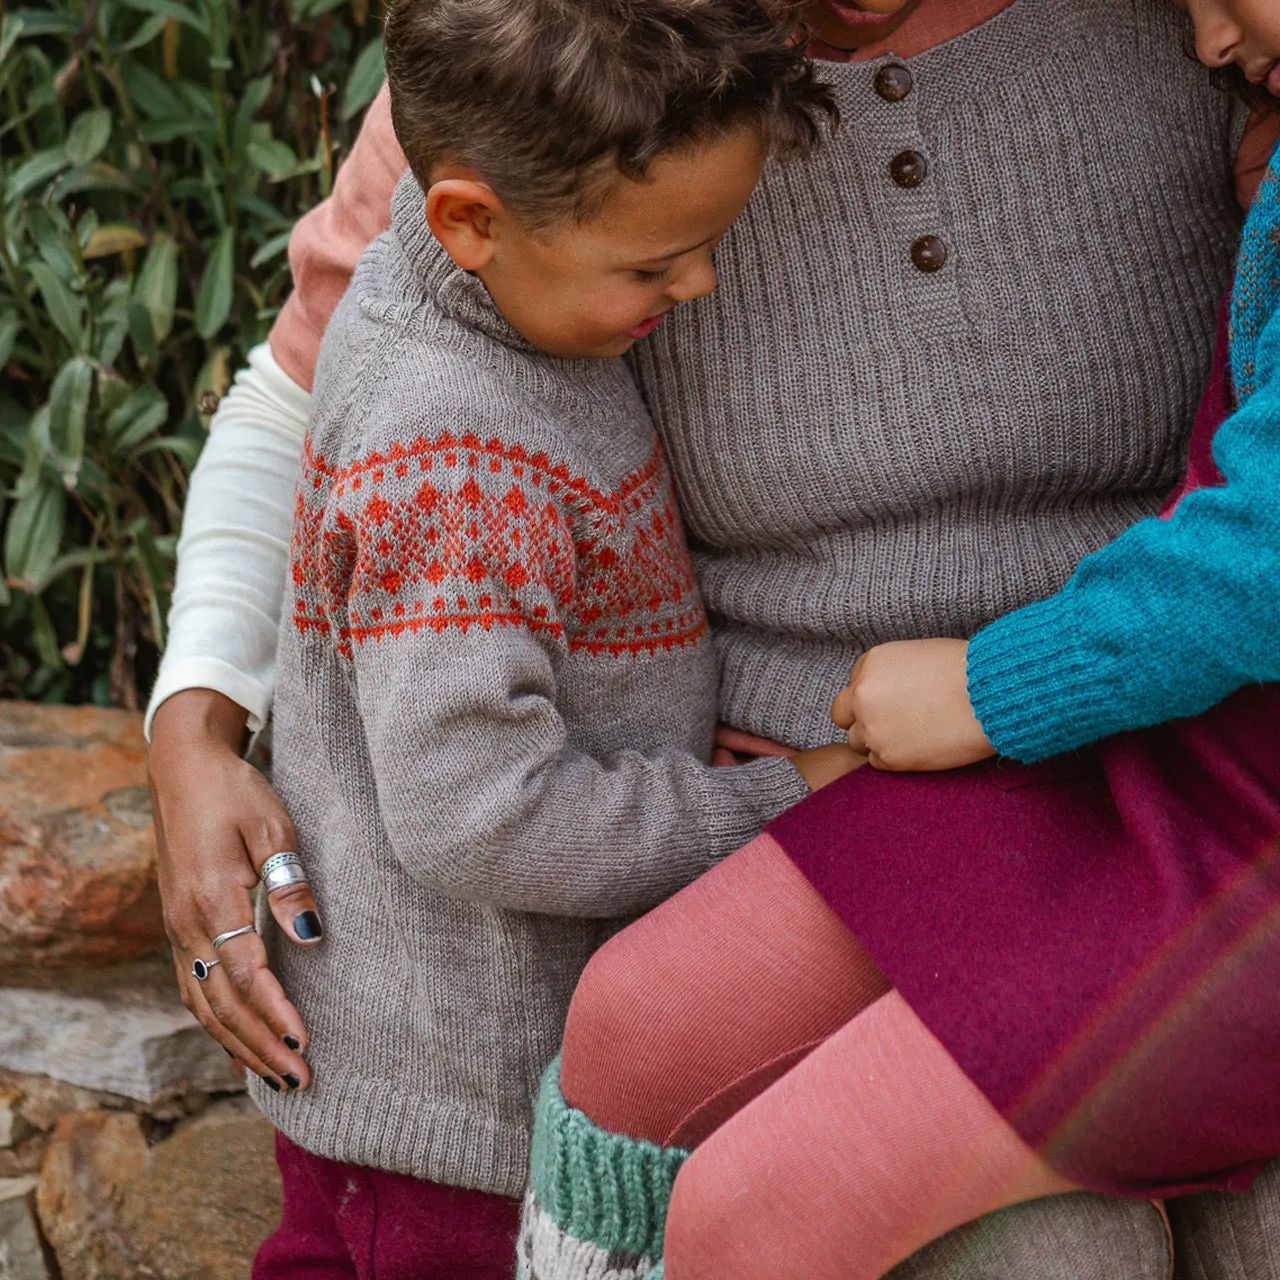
point(701, 1005)
point(871, 1147)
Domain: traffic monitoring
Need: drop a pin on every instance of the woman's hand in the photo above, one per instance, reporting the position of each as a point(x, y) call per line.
point(907, 707)
point(216, 822)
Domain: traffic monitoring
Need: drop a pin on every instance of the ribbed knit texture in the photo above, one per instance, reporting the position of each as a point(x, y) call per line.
point(1176, 614)
point(865, 452)
point(496, 702)
point(597, 1204)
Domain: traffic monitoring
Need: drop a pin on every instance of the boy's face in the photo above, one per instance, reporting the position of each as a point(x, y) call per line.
point(1246, 32)
point(594, 288)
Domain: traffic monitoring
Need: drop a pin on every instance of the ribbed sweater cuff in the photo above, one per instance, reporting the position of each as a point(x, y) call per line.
point(599, 1187)
point(1039, 687)
point(764, 789)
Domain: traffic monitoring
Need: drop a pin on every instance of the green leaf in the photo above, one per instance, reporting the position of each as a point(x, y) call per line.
point(42, 22)
point(157, 286)
point(146, 33)
point(167, 128)
point(273, 157)
point(185, 450)
point(364, 81)
point(271, 249)
point(155, 570)
point(255, 95)
point(88, 136)
point(44, 635)
point(216, 288)
point(65, 309)
point(68, 408)
point(141, 415)
point(52, 234)
point(11, 27)
point(40, 169)
point(170, 9)
point(8, 335)
point(34, 533)
point(76, 559)
point(142, 331)
point(98, 176)
point(153, 95)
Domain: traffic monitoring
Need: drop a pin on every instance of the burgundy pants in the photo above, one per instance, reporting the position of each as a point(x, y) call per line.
point(354, 1223)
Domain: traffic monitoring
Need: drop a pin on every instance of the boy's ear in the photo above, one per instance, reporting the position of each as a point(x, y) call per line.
point(461, 213)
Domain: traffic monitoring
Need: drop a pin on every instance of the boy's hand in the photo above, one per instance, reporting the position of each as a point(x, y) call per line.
point(907, 707)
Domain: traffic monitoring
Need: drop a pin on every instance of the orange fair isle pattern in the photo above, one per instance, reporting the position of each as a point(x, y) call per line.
point(457, 532)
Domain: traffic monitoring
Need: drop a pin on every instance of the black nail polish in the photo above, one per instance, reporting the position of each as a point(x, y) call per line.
point(272, 1084)
point(306, 924)
point(291, 1080)
point(292, 1042)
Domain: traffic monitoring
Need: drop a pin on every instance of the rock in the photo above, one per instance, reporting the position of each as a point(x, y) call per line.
point(14, 1127)
point(194, 1207)
point(22, 1255)
point(134, 1043)
point(77, 855)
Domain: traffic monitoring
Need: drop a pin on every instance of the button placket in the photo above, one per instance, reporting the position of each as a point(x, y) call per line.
point(913, 228)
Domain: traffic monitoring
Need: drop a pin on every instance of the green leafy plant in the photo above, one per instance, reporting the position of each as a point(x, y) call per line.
point(154, 155)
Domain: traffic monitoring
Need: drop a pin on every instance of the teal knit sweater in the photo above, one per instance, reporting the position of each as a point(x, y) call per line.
point(1175, 614)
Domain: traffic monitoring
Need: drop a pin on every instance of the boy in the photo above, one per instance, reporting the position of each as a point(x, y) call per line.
point(497, 692)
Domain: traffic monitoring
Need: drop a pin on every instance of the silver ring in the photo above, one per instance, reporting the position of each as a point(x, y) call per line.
point(283, 876)
point(200, 969)
point(233, 933)
point(276, 861)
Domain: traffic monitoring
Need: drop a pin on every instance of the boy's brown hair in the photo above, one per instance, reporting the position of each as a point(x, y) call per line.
point(545, 99)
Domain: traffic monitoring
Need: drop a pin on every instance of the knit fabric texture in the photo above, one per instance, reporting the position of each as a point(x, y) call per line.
point(1175, 615)
point(865, 451)
point(596, 1207)
point(496, 705)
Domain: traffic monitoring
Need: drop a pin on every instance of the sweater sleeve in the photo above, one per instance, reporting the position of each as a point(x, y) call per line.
point(1168, 620)
point(235, 536)
point(450, 590)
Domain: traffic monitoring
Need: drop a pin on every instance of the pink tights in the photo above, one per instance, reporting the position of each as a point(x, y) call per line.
point(834, 1134)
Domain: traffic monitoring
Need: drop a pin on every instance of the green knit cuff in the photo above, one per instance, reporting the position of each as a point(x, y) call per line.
point(596, 1185)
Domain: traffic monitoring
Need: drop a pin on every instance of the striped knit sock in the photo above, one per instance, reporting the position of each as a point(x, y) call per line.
point(597, 1204)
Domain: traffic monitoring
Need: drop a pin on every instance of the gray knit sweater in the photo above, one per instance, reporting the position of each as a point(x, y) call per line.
point(496, 701)
point(865, 451)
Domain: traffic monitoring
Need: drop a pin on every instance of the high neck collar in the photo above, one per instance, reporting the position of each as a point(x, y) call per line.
point(458, 294)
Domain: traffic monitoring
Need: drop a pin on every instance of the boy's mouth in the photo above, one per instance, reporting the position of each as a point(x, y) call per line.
point(646, 327)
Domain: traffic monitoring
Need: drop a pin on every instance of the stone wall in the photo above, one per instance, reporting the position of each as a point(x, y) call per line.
point(127, 1149)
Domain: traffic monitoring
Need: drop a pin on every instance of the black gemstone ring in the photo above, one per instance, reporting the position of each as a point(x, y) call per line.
point(200, 969)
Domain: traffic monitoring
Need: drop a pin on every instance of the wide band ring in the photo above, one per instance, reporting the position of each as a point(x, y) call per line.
point(288, 858)
point(283, 876)
point(233, 933)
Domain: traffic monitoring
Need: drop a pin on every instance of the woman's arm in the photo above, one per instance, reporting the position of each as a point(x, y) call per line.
point(235, 544)
point(216, 818)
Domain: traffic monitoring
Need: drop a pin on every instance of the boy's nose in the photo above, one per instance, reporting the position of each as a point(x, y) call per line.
point(696, 282)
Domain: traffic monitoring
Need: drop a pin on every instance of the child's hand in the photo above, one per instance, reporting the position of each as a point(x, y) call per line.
point(907, 707)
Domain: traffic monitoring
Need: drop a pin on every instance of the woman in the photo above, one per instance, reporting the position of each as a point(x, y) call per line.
point(968, 236)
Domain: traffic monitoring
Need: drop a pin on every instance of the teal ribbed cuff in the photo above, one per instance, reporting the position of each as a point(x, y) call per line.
point(599, 1186)
point(1038, 689)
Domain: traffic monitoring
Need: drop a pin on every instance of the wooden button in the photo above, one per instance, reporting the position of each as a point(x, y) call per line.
point(908, 168)
point(893, 82)
point(929, 253)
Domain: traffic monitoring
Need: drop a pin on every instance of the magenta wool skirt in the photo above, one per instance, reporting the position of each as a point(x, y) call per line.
point(1095, 939)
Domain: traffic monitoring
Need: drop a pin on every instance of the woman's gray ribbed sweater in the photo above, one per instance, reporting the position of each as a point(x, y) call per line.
point(867, 452)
